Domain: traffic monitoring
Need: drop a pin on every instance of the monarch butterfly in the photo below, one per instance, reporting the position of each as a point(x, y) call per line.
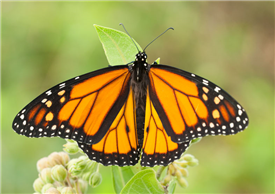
point(119, 112)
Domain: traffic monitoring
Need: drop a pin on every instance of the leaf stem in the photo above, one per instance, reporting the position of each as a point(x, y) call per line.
point(160, 170)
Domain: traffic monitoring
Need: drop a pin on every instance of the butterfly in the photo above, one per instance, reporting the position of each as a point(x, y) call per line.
point(121, 113)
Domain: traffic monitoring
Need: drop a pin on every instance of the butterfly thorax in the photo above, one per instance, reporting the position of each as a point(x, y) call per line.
point(139, 66)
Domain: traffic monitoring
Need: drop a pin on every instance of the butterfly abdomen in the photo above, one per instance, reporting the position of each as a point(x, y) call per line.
point(139, 82)
point(139, 90)
point(140, 116)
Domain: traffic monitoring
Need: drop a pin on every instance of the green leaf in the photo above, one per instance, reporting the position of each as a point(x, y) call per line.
point(118, 46)
point(157, 60)
point(172, 187)
point(121, 175)
point(118, 181)
point(127, 173)
point(144, 182)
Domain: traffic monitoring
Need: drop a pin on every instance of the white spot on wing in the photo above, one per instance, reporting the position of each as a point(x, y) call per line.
point(49, 92)
point(211, 125)
point(54, 127)
point(217, 89)
point(205, 81)
point(62, 85)
point(240, 112)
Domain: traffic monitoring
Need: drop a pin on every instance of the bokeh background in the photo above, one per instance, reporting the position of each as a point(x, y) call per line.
point(229, 43)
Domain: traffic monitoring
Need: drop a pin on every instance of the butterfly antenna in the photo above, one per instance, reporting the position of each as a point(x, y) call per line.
point(129, 36)
point(158, 37)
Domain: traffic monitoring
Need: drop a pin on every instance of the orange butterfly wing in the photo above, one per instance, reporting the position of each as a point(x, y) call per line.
point(82, 108)
point(158, 148)
point(190, 106)
point(120, 144)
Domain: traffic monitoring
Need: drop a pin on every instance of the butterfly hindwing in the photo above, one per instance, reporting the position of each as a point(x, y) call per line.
point(119, 146)
point(158, 148)
point(82, 108)
point(190, 106)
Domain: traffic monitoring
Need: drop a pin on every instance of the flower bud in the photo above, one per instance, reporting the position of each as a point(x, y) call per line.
point(75, 172)
point(55, 158)
point(70, 141)
point(196, 140)
point(77, 167)
point(172, 169)
point(59, 173)
point(42, 163)
point(193, 162)
point(86, 176)
point(52, 190)
point(182, 163)
point(178, 174)
point(46, 175)
point(71, 148)
point(95, 179)
point(73, 168)
point(65, 158)
point(72, 163)
point(68, 190)
point(91, 166)
point(183, 171)
point(188, 157)
point(60, 188)
point(83, 162)
point(46, 187)
point(38, 184)
point(166, 179)
point(83, 185)
point(182, 182)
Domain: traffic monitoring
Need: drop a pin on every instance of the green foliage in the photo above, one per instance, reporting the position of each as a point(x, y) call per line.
point(143, 182)
point(121, 175)
point(118, 46)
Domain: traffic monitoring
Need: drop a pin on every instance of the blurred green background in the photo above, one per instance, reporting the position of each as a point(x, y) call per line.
point(229, 43)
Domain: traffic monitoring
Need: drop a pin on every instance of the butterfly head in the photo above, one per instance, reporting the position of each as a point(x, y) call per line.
point(139, 66)
point(141, 57)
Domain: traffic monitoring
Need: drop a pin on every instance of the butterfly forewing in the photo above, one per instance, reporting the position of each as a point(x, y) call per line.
point(82, 108)
point(190, 106)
